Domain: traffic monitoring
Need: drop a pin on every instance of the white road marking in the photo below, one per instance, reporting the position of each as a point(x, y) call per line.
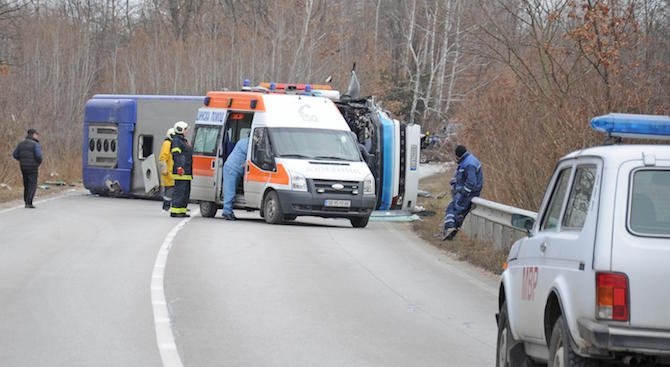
point(164, 334)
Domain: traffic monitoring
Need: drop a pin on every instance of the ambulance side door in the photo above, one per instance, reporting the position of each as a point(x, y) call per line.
point(237, 126)
point(260, 164)
point(206, 161)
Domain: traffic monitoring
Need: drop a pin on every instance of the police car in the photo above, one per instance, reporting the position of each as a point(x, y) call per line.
point(590, 284)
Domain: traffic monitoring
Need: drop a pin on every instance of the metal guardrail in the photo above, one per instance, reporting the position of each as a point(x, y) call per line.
point(491, 222)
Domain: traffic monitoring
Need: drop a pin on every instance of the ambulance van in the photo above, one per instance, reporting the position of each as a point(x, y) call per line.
point(302, 158)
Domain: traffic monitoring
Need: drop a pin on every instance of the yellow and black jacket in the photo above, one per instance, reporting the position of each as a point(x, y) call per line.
point(182, 155)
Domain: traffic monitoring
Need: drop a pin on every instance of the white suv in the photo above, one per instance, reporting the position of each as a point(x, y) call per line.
point(590, 284)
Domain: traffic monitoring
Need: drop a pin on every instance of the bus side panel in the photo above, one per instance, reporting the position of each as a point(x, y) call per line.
point(119, 114)
point(412, 144)
point(387, 158)
point(154, 118)
point(396, 196)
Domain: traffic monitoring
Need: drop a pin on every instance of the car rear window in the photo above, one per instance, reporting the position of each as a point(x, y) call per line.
point(649, 209)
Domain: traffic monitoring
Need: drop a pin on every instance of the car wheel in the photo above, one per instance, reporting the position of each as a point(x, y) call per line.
point(208, 209)
point(509, 352)
point(560, 351)
point(359, 222)
point(272, 211)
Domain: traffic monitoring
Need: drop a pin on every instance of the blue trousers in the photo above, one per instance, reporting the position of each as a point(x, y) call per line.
point(231, 177)
point(457, 209)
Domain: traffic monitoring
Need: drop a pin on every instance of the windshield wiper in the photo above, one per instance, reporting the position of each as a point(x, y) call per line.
point(332, 158)
point(294, 156)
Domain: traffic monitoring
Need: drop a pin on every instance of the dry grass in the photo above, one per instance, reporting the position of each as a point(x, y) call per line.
point(479, 254)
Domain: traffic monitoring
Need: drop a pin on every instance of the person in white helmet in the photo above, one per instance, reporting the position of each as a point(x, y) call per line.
point(165, 165)
point(182, 170)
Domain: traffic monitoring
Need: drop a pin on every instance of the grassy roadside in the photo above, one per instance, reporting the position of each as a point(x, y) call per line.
point(482, 255)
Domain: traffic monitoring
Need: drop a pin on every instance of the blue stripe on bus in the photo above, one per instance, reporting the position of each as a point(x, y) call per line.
point(388, 137)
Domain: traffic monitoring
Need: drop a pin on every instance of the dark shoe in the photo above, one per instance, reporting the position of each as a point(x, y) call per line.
point(229, 216)
point(179, 215)
point(30, 206)
point(450, 234)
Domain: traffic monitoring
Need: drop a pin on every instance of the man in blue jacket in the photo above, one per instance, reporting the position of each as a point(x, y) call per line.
point(233, 170)
point(467, 183)
point(29, 155)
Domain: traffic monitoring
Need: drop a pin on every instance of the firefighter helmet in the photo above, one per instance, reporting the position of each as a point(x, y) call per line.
point(170, 133)
point(180, 127)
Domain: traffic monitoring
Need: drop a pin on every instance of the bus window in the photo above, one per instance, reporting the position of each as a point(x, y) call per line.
point(145, 146)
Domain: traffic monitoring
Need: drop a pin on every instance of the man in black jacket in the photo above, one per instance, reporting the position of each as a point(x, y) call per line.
point(29, 155)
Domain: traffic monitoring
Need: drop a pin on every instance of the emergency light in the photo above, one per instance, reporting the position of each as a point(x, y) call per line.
point(626, 125)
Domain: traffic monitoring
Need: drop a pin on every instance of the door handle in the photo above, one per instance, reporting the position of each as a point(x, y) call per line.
point(543, 247)
point(213, 163)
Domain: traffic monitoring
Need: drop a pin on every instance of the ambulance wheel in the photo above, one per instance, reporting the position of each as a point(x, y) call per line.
point(359, 222)
point(208, 209)
point(272, 209)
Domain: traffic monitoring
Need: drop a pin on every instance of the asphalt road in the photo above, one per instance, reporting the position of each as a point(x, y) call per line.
point(76, 279)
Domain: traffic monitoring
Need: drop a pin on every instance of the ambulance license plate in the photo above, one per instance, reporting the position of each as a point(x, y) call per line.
point(337, 203)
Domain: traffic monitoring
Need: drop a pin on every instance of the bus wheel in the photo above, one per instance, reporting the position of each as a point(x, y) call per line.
point(208, 209)
point(272, 209)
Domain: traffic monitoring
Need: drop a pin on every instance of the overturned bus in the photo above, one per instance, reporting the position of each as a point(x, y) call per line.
point(122, 135)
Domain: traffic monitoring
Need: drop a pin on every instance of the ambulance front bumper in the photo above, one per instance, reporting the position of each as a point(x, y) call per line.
point(326, 205)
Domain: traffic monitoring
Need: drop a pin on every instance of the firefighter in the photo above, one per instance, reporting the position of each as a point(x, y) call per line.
point(233, 170)
point(467, 183)
point(165, 164)
point(182, 170)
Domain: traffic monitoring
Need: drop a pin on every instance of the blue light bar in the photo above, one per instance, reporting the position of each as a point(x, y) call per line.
point(627, 125)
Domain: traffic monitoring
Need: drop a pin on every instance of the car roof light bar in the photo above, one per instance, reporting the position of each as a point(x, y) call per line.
point(626, 125)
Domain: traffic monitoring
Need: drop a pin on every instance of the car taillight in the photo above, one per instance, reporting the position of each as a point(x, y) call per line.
point(612, 296)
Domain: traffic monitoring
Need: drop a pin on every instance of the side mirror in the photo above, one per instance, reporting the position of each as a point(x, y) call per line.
point(523, 222)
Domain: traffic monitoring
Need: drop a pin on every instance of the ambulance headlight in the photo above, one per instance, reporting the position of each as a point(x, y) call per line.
point(369, 185)
point(298, 182)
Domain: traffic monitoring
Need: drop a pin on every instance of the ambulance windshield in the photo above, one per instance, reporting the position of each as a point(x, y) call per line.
point(319, 144)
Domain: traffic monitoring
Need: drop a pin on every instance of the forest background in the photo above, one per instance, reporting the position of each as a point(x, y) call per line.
point(520, 79)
